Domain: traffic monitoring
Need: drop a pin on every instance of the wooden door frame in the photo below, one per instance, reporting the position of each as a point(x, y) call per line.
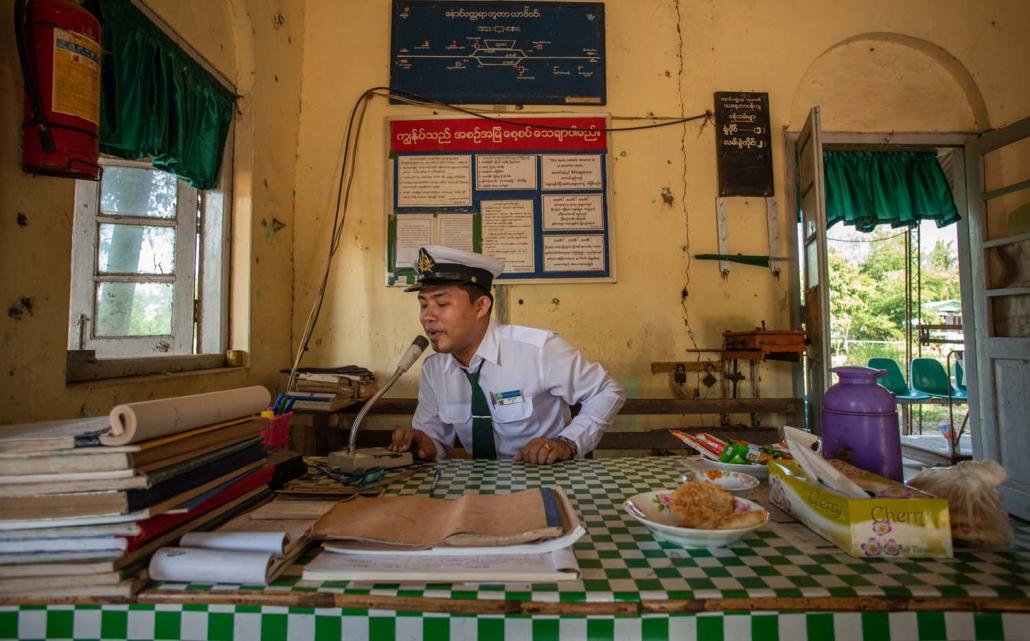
point(976, 147)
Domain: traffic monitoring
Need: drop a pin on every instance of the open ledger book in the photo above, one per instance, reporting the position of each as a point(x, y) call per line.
point(514, 550)
point(475, 520)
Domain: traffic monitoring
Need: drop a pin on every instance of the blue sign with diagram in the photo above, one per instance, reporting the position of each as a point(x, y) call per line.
point(540, 53)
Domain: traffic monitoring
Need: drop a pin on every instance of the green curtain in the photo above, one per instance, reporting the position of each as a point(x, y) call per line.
point(157, 102)
point(897, 188)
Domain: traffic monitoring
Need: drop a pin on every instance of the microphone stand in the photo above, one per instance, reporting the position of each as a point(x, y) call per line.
point(353, 460)
point(353, 441)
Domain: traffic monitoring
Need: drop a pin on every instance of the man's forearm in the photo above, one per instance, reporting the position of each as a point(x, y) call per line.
point(595, 417)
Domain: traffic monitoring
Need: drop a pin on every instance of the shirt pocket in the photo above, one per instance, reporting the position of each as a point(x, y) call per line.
point(513, 412)
point(456, 413)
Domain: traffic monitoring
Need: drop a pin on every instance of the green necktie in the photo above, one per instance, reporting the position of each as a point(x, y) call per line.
point(482, 426)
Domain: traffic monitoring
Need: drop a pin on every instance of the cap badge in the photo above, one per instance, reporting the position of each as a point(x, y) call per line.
point(425, 262)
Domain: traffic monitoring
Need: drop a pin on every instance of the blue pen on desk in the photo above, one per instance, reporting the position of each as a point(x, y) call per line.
point(436, 480)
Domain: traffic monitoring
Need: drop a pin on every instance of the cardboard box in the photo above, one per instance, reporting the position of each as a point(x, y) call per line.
point(898, 521)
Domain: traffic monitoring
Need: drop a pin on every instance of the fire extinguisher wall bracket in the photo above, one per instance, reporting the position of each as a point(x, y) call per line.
point(59, 48)
point(28, 73)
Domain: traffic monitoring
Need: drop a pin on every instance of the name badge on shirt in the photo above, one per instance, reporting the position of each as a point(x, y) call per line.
point(508, 398)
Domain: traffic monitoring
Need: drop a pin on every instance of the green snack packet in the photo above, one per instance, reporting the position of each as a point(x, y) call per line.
point(735, 452)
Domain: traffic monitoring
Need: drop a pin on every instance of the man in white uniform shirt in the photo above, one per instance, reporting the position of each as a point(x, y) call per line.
point(504, 390)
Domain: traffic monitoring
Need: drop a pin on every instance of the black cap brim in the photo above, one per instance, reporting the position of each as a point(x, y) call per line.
point(453, 274)
point(422, 284)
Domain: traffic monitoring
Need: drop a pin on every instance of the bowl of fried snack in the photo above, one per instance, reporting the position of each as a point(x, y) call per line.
point(697, 514)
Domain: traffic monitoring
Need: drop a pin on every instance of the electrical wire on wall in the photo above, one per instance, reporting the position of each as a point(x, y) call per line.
point(348, 171)
point(350, 150)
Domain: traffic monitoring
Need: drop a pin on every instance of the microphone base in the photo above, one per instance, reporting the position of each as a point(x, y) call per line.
point(368, 457)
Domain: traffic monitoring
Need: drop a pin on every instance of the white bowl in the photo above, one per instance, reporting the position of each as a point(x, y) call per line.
point(759, 471)
point(729, 481)
point(651, 509)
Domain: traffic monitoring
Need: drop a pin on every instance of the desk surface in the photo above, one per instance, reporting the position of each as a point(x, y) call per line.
point(779, 579)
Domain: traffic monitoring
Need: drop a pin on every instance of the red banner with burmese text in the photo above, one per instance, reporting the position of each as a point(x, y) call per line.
point(479, 134)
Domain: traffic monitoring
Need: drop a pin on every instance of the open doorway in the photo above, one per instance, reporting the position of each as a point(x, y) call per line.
point(895, 304)
point(993, 234)
point(886, 294)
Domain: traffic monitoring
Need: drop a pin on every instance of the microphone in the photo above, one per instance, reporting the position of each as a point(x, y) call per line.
point(412, 353)
point(349, 460)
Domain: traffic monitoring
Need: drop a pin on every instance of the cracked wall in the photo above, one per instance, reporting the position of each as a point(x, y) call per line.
point(664, 58)
point(258, 44)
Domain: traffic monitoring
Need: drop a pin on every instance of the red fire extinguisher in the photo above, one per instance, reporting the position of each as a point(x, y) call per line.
point(59, 47)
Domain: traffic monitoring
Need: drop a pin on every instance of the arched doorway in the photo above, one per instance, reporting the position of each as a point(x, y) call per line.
point(871, 87)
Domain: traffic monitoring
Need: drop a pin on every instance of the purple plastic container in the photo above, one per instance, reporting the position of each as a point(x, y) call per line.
point(860, 422)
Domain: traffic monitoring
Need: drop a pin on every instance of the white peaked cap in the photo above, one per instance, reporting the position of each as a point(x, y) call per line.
point(436, 264)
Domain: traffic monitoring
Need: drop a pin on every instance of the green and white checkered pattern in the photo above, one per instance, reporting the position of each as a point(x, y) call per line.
point(253, 623)
point(620, 561)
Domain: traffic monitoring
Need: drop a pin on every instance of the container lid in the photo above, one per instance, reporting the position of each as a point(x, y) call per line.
point(858, 392)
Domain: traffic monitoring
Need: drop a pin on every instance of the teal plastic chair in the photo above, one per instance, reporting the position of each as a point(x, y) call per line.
point(894, 381)
point(958, 390)
point(928, 376)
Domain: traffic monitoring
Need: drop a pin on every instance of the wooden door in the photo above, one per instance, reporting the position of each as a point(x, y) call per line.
point(816, 317)
point(998, 175)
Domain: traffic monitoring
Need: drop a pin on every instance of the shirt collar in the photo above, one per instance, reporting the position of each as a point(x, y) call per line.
point(488, 350)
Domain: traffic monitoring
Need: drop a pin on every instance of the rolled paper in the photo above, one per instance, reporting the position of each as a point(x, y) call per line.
point(196, 565)
point(145, 420)
point(270, 542)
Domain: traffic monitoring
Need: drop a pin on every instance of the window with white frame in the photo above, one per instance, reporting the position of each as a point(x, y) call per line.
point(149, 265)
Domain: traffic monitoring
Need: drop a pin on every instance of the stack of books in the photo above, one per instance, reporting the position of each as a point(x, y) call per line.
point(79, 518)
point(328, 390)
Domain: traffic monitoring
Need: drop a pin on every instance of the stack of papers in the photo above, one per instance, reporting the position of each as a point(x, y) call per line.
point(559, 565)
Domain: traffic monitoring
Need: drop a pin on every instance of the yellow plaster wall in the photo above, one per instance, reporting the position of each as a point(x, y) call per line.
point(921, 65)
point(34, 259)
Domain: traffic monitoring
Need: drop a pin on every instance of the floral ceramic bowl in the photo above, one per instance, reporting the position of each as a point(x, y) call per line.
point(652, 509)
point(729, 481)
point(759, 471)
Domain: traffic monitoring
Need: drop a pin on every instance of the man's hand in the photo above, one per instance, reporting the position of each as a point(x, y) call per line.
point(418, 442)
point(544, 451)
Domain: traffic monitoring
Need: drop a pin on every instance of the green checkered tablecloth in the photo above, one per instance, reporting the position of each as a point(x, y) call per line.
point(623, 568)
point(253, 623)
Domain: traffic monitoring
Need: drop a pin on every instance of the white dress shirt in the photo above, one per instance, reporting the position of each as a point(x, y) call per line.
point(530, 377)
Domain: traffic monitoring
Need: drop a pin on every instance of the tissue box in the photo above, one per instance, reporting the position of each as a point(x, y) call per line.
point(898, 522)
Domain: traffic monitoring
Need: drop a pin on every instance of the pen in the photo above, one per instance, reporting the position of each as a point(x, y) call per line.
point(436, 480)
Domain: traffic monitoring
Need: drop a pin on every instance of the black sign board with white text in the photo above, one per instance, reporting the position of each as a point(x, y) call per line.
point(743, 143)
